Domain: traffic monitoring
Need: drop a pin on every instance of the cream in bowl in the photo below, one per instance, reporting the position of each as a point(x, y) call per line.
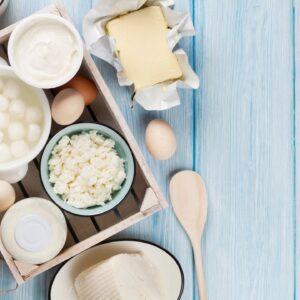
point(45, 50)
point(25, 121)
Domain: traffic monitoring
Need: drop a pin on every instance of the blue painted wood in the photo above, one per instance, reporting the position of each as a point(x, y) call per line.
point(244, 149)
point(240, 132)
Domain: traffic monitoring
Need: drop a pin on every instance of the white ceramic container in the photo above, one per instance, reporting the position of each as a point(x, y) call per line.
point(15, 170)
point(46, 50)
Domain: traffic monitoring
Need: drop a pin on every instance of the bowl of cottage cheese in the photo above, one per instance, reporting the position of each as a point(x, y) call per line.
point(87, 169)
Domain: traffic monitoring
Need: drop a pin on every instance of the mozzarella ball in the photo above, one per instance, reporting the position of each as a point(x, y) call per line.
point(1, 84)
point(33, 114)
point(1, 137)
point(11, 89)
point(17, 109)
point(16, 131)
point(4, 120)
point(19, 148)
point(33, 133)
point(5, 154)
point(4, 103)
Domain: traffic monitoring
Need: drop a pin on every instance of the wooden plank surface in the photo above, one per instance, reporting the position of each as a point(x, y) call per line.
point(240, 130)
point(244, 149)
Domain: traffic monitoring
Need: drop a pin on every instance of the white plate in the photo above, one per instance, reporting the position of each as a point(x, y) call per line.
point(62, 287)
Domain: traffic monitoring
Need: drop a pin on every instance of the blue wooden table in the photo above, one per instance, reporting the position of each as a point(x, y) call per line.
point(241, 131)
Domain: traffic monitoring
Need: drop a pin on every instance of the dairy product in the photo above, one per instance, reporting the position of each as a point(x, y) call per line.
point(121, 277)
point(85, 169)
point(33, 230)
point(45, 50)
point(141, 44)
point(21, 120)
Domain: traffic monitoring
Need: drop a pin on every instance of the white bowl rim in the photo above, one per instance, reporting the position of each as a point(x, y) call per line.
point(6, 70)
point(23, 26)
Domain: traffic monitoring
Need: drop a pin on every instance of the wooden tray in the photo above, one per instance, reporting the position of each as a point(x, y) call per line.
point(144, 198)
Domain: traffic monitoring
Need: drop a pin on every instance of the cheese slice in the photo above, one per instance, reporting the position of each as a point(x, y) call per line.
point(121, 277)
point(141, 44)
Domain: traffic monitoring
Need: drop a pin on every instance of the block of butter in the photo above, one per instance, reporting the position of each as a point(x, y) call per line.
point(142, 47)
point(121, 277)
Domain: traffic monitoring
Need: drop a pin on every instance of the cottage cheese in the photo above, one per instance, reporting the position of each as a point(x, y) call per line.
point(85, 169)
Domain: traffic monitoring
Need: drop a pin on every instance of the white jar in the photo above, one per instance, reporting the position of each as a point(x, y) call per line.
point(3, 6)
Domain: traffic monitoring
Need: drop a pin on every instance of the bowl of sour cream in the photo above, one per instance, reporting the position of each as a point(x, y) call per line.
point(45, 51)
point(25, 123)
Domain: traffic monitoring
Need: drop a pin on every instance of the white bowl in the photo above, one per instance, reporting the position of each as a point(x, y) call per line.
point(21, 29)
point(13, 171)
point(63, 287)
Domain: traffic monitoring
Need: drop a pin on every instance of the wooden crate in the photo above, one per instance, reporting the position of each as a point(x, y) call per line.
point(144, 198)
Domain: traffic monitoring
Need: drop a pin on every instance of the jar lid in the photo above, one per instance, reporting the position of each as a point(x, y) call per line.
point(33, 233)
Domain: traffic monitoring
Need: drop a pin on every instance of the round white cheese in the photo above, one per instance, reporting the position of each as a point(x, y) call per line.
point(33, 230)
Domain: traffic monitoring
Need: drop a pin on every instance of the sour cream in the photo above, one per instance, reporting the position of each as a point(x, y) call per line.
point(45, 51)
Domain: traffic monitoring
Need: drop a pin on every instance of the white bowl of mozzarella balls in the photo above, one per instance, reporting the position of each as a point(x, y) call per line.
point(25, 122)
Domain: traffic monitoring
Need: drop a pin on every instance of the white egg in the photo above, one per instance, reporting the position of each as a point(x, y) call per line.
point(33, 133)
point(1, 137)
point(5, 154)
point(16, 131)
point(4, 120)
point(11, 89)
point(17, 109)
point(1, 84)
point(4, 103)
point(33, 114)
point(19, 148)
point(160, 139)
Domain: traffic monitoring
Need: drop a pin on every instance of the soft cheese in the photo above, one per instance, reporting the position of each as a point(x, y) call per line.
point(121, 277)
point(141, 44)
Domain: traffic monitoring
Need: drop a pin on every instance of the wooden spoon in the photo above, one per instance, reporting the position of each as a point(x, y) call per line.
point(189, 199)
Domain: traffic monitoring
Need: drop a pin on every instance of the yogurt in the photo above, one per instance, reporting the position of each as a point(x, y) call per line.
point(45, 51)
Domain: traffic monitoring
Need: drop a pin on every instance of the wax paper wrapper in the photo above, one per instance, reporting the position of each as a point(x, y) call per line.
point(159, 96)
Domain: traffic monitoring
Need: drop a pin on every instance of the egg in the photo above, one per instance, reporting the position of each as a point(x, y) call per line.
point(5, 153)
point(34, 133)
point(11, 89)
point(7, 195)
point(4, 103)
point(4, 120)
point(33, 114)
point(160, 139)
point(84, 86)
point(67, 106)
point(16, 131)
point(17, 109)
point(19, 148)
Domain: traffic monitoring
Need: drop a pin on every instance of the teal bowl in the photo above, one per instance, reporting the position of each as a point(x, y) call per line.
point(123, 151)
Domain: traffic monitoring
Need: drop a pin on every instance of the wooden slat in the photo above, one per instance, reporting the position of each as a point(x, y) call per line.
point(128, 206)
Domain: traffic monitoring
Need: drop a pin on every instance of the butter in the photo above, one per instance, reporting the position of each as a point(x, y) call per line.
point(121, 277)
point(141, 44)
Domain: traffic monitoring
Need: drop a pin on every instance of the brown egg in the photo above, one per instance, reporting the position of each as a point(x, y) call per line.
point(7, 195)
point(160, 139)
point(84, 86)
point(67, 107)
